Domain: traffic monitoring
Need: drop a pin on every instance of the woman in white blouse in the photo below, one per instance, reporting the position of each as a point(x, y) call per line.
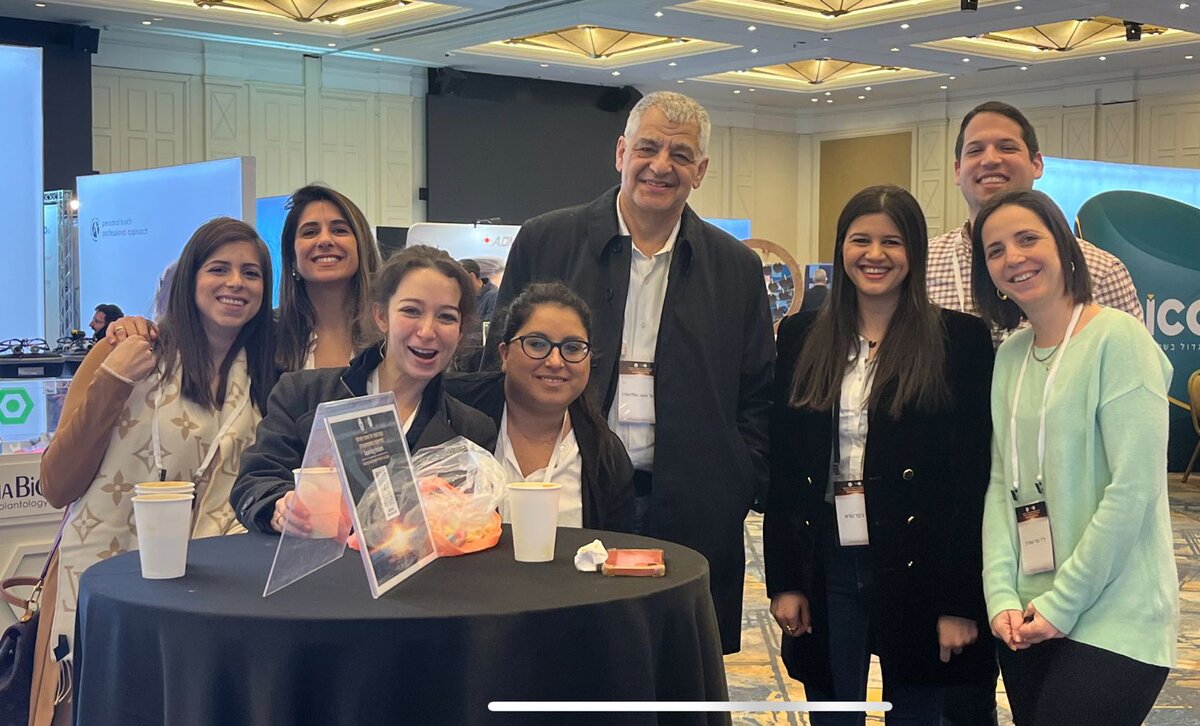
point(550, 428)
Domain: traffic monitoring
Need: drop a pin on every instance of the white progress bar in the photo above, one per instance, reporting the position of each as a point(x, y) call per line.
point(685, 706)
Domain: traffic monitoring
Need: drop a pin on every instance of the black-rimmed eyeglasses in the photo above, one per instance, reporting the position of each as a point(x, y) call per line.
point(539, 347)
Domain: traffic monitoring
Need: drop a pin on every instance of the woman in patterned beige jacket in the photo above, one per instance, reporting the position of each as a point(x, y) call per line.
point(184, 409)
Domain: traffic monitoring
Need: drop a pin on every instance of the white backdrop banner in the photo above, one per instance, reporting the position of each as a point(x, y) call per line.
point(21, 202)
point(133, 224)
point(481, 242)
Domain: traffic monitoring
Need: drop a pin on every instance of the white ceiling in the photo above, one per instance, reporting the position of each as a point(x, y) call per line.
point(437, 36)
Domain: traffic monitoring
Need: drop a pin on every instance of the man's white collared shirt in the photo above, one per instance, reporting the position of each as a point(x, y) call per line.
point(639, 339)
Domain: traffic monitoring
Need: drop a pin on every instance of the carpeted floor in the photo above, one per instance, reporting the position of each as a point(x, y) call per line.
point(756, 674)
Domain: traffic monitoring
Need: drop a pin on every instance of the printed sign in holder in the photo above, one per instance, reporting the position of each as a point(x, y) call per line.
point(361, 438)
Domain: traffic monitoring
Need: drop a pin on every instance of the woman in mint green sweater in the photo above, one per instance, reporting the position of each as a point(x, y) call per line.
point(1079, 573)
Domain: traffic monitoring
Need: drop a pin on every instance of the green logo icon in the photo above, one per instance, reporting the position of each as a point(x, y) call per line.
point(15, 406)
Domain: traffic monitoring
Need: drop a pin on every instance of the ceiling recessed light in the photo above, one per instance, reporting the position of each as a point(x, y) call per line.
point(944, 87)
point(146, 22)
point(1184, 6)
point(616, 73)
point(157, 20)
point(1024, 68)
point(752, 28)
point(333, 45)
point(277, 33)
point(953, 78)
point(752, 90)
point(544, 65)
point(895, 50)
point(861, 98)
point(904, 26)
point(1018, 8)
point(376, 50)
point(966, 60)
point(826, 38)
point(814, 100)
point(736, 91)
point(1103, 57)
point(39, 5)
point(672, 64)
point(829, 93)
point(829, 100)
point(867, 88)
point(658, 14)
point(754, 50)
point(679, 81)
point(1187, 57)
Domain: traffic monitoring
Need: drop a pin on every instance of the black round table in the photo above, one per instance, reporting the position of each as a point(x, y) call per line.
point(208, 649)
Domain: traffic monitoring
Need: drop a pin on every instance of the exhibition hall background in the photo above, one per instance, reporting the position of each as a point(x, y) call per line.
point(359, 126)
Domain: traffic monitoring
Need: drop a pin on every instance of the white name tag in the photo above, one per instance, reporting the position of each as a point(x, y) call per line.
point(1037, 544)
point(850, 501)
point(635, 392)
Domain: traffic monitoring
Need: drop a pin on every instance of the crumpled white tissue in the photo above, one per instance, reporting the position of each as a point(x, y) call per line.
point(589, 557)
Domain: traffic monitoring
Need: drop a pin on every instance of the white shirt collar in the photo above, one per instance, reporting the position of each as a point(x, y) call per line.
point(624, 230)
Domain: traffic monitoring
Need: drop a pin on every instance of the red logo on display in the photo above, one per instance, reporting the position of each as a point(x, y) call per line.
point(487, 240)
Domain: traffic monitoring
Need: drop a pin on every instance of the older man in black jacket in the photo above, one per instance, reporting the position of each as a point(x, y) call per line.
point(682, 338)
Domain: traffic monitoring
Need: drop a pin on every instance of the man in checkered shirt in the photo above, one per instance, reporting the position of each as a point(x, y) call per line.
point(996, 152)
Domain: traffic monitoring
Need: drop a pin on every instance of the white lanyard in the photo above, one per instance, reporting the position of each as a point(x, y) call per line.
point(212, 449)
point(1012, 423)
point(958, 281)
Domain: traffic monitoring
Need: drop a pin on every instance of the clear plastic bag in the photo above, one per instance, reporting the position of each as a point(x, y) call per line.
point(461, 486)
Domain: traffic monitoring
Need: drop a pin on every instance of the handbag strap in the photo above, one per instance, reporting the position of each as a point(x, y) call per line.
point(30, 603)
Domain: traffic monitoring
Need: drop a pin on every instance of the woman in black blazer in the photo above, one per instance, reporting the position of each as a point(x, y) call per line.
point(541, 402)
point(880, 455)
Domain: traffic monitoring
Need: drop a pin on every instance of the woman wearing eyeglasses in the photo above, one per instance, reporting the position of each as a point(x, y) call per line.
point(550, 428)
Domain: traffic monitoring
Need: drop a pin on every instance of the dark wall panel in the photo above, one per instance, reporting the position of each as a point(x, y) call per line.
point(66, 93)
point(508, 149)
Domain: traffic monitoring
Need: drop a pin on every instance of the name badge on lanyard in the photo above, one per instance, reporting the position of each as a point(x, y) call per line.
point(635, 392)
point(1033, 518)
point(1037, 542)
point(850, 503)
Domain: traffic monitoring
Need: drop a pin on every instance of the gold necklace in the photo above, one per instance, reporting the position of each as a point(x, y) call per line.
point(1032, 352)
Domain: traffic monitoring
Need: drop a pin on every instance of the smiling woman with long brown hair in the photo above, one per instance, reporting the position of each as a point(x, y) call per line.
point(879, 460)
point(184, 410)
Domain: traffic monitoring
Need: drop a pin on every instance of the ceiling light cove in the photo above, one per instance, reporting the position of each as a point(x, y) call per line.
point(1086, 37)
point(810, 76)
point(590, 46)
point(343, 12)
point(823, 14)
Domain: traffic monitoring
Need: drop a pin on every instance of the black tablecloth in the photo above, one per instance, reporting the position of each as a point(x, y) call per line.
point(208, 649)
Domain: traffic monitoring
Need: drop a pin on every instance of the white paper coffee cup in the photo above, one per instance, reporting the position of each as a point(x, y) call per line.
point(164, 524)
point(320, 490)
point(533, 510)
point(164, 487)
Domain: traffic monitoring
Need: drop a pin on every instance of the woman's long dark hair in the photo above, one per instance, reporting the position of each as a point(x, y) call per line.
point(296, 316)
point(523, 307)
point(181, 337)
point(912, 356)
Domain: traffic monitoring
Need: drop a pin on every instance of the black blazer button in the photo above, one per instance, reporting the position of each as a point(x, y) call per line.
point(608, 294)
point(908, 474)
point(617, 246)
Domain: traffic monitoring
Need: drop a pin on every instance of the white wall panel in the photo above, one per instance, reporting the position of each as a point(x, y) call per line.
point(348, 148)
point(1116, 136)
point(226, 119)
point(277, 138)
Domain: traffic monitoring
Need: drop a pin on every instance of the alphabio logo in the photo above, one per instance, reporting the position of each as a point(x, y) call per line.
point(1171, 316)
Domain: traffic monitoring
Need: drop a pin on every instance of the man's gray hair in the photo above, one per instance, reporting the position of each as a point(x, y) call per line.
point(678, 108)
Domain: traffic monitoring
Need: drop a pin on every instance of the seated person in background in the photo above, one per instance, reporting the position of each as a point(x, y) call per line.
point(550, 428)
point(184, 410)
point(105, 315)
point(420, 300)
